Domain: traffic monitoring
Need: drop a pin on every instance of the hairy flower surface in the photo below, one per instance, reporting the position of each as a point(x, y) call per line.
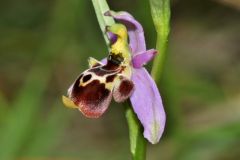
point(121, 76)
point(93, 90)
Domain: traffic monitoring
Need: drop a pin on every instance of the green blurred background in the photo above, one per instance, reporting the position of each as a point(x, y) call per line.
point(44, 45)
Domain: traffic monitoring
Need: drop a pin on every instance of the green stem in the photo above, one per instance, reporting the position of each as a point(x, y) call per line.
point(160, 10)
point(137, 141)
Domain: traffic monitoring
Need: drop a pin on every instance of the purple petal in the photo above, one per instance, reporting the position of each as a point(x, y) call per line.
point(135, 30)
point(112, 37)
point(104, 61)
point(142, 58)
point(147, 104)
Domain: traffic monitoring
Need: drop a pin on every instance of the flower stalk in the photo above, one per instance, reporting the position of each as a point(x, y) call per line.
point(137, 141)
point(160, 10)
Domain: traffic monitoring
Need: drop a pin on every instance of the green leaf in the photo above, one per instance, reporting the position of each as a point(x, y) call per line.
point(101, 7)
point(47, 133)
point(21, 120)
point(21, 117)
point(3, 107)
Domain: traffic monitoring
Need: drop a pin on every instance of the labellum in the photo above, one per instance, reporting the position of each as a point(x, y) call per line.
point(93, 90)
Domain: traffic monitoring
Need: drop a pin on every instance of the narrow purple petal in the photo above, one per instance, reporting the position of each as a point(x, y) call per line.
point(147, 104)
point(143, 58)
point(135, 30)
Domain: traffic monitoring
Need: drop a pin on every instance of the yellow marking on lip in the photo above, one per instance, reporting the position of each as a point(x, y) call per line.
point(68, 102)
point(92, 62)
point(121, 44)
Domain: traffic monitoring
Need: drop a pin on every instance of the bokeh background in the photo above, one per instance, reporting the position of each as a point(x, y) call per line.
point(44, 45)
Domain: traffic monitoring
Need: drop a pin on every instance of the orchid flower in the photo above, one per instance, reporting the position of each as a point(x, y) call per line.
point(121, 76)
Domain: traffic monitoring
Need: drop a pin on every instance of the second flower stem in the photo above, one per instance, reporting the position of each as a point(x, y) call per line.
point(158, 63)
point(160, 10)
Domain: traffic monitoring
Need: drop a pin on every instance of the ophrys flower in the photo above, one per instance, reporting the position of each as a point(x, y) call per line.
point(93, 90)
point(121, 77)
